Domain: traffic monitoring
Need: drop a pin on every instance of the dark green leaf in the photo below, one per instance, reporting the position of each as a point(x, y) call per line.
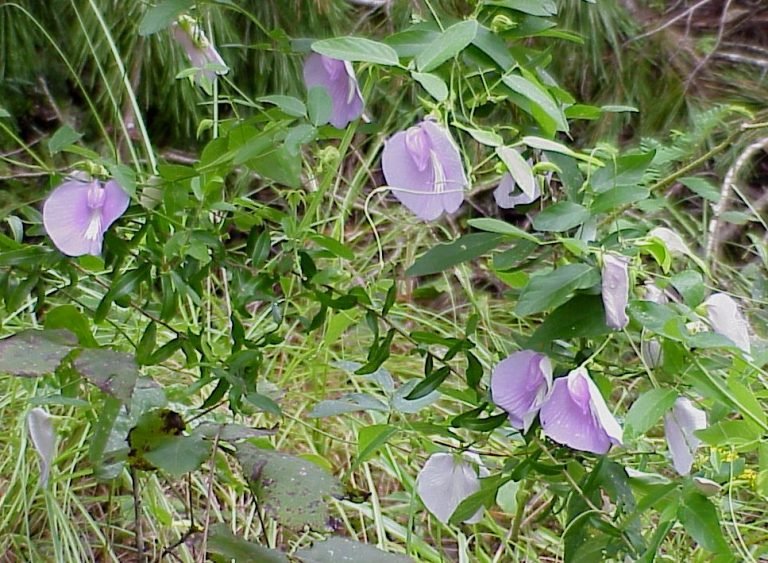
point(33, 353)
point(647, 410)
point(341, 550)
point(221, 541)
point(70, 318)
point(62, 138)
point(447, 45)
point(625, 170)
point(562, 216)
point(463, 249)
point(581, 317)
point(699, 517)
point(552, 289)
point(429, 384)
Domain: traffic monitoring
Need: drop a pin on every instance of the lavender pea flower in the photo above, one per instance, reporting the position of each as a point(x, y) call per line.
point(615, 290)
point(424, 168)
point(78, 213)
point(199, 50)
point(520, 384)
point(338, 79)
point(575, 414)
point(446, 480)
point(508, 195)
point(679, 427)
point(727, 319)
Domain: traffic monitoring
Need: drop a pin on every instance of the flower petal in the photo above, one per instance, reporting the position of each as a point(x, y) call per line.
point(508, 195)
point(575, 415)
point(338, 79)
point(674, 242)
point(444, 482)
point(67, 216)
point(679, 426)
point(200, 51)
point(726, 319)
point(115, 203)
point(431, 189)
point(615, 290)
point(519, 385)
point(43, 438)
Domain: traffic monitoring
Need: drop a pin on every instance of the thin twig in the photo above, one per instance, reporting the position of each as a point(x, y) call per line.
point(718, 39)
point(137, 517)
point(670, 22)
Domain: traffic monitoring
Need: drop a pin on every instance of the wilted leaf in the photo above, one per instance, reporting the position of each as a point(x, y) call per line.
point(43, 438)
point(111, 371)
point(292, 490)
point(33, 353)
point(231, 432)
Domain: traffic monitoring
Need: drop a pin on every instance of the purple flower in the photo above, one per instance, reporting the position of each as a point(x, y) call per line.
point(78, 213)
point(424, 168)
point(650, 348)
point(199, 50)
point(726, 319)
point(615, 290)
point(446, 480)
point(509, 195)
point(338, 79)
point(679, 426)
point(520, 384)
point(575, 414)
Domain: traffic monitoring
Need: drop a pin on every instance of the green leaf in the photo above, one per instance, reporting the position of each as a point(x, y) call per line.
point(231, 432)
point(485, 497)
point(287, 104)
point(647, 410)
point(113, 372)
point(161, 16)
point(560, 217)
point(616, 197)
point(736, 433)
point(543, 8)
point(370, 439)
point(352, 402)
point(337, 550)
point(581, 317)
point(519, 169)
point(552, 289)
point(702, 187)
point(447, 45)
point(749, 405)
point(177, 455)
point(699, 518)
point(319, 106)
point(428, 384)
point(463, 249)
point(690, 284)
point(408, 406)
point(623, 171)
point(292, 490)
point(433, 84)
point(357, 49)
point(221, 541)
point(62, 138)
point(492, 225)
point(544, 109)
point(337, 247)
point(34, 353)
point(559, 148)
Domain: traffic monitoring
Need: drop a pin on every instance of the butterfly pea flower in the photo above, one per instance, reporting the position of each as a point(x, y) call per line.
point(615, 290)
point(446, 480)
point(423, 166)
point(200, 51)
point(650, 348)
point(575, 415)
point(726, 319)
point(680, 423)
point(508, 194)
point(338, 79)
point(674, 242)
point(520, 384)
point(78, 213)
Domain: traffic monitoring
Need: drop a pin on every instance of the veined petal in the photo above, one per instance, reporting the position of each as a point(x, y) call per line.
point(199, 50)
point(508, 196)
point(679, 427)
point(423, 166)
point(67, 217)
point(519, 385)
point(575, 414)
point(445, 481)
point(615, 290)
point(338, 79)
point(116, 202)
point(726, 319)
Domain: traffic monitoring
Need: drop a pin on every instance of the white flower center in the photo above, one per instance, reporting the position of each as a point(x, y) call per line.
point(438, 172)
